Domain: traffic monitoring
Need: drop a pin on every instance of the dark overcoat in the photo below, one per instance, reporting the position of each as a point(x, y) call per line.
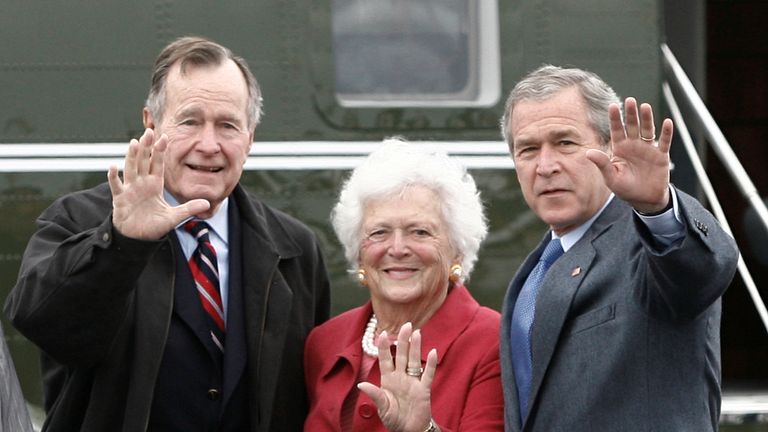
point(99, 306)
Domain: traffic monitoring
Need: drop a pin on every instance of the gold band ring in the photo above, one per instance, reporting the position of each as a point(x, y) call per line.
point(651, 139)
point(414, 371)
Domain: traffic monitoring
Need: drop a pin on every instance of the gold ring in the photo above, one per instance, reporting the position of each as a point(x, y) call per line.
point(652, 139)
point(414, 371)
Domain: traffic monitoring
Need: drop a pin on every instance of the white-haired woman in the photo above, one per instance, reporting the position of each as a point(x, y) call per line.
point(411, 223)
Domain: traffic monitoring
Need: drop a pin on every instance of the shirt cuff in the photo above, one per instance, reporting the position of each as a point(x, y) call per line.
point(666, 228)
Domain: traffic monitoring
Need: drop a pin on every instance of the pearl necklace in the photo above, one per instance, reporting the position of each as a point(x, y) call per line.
point(370, 331)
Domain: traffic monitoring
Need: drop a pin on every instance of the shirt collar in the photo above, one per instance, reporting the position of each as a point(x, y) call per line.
point(570, 238)
point(217, 223)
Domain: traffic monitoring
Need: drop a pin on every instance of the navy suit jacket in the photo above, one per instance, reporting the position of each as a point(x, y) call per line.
point(625, 337)
point(197, 387)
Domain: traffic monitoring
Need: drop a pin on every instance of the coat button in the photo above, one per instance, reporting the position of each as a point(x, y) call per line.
point(213, 394)
point(366, 411)
point(105, 237)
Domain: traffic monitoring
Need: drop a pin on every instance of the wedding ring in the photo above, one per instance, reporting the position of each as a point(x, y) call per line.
point(414, 371)
point(651, 139)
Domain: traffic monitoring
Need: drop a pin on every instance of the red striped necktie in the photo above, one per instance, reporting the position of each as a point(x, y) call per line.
point(205, 271)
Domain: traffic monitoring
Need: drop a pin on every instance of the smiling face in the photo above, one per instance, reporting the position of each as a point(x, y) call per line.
point(405, 252)
point(550, 139)
point(209, 138)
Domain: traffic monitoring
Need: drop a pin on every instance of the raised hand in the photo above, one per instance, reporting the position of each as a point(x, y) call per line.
point(139, 209)
point(404, 398)
point(637, 170)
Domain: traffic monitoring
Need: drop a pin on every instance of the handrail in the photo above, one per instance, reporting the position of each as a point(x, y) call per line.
point(716, 138)
point(709, 191)
point(727, 156)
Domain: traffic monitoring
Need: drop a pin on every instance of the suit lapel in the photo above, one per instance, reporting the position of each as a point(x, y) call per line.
point(268, 300)
point(187, 304)
point(552, 306)
point(557, 291)
point(235, 354)
point(512, 405)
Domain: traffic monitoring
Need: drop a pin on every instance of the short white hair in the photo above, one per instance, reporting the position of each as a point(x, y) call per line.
point(397, 165)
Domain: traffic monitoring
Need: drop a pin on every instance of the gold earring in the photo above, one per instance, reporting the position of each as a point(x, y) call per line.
point(361, 276)
point(455, 273)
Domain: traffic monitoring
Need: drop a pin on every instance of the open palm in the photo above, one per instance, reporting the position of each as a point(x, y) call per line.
point(139, 209)
point(637, 170)
point(403, 401)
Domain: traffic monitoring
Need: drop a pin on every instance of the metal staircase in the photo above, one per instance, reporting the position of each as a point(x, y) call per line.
point(740, 406)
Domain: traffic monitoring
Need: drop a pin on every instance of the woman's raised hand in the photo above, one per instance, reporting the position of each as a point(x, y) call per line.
point(404, 398)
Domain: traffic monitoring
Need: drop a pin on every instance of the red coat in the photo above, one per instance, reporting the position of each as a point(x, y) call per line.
point(466, 391)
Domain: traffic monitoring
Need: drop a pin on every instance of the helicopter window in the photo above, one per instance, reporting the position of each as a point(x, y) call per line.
point(416, 53)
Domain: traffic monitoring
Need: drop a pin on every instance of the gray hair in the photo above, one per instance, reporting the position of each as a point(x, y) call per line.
point(398, 165)
point(548, 80)
point(197, 51)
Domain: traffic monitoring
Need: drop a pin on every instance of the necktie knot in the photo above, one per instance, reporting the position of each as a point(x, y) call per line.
point(552, 252)
point(199, 229)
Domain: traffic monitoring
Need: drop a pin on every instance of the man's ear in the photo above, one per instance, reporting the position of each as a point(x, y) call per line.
point(251, 137)
point(149, 122)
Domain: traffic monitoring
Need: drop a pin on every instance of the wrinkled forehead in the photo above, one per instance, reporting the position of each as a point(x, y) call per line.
point(222, 82)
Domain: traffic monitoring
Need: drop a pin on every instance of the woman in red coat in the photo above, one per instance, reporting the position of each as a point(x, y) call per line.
point(411, 222)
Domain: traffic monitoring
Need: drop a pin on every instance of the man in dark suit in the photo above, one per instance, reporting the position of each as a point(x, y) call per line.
point(147, 326)
point(621, 332)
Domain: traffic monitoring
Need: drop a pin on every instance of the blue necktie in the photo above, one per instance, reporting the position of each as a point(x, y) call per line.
point(522, 320)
